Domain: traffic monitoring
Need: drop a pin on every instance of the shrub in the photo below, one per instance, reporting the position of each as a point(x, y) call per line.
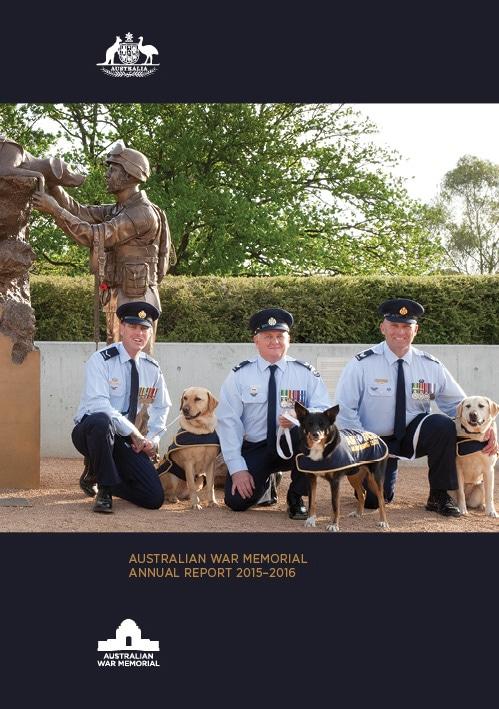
point(459, 309)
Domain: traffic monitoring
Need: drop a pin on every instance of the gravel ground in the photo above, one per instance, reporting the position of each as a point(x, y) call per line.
point(60, 506)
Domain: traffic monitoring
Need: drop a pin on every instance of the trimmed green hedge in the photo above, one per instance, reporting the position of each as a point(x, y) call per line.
point(459, 309)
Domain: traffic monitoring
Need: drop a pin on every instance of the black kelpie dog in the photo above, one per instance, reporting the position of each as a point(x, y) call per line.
point(330, 453)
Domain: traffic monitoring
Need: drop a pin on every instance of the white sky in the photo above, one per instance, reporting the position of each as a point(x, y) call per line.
point(432, 137)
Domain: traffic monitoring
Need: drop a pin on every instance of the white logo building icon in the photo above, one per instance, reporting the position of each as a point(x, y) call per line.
point(128, 637)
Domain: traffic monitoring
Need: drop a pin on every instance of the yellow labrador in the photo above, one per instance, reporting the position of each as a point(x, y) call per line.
point(475, 415)
point(194, 449)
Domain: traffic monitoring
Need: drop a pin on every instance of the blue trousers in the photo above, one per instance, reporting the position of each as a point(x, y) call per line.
point(437, 440)
point(129, 475)
point(261, 462)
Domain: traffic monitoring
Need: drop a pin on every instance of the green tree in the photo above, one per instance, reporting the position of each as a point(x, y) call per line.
point(18, 122)
point(254, 189)
point(466, 216)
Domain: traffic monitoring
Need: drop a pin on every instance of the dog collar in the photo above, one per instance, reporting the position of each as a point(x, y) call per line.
point(471, 433)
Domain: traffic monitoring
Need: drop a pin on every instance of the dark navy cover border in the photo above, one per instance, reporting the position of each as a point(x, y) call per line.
point(370, 616)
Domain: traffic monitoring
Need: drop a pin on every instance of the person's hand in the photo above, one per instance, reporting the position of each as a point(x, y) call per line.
point(138, 442)
point(284, 422)
point(149, 448)
point(45, 203)
point(491, 447)
point(243, 482)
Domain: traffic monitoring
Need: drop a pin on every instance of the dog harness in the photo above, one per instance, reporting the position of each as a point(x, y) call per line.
point(467, 446)
point(185, 439)
point(354, 448)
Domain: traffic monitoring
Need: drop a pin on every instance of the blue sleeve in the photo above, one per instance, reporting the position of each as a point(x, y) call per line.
point(349, 394)
point(449, 393)
point(230, 427)
point(158, 411)
point(318, 396)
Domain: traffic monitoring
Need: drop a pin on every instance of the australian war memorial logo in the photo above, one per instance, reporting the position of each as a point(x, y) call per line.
point(129, 59)
point(128, 648)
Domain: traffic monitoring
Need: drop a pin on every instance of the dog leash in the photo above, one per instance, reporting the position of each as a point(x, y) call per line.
point(172, 422)
point(287, 435)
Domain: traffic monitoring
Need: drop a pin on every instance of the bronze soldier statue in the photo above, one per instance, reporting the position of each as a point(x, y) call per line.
point(129, 241)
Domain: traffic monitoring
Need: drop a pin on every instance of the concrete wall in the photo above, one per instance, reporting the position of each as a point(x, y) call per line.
point(186, 364)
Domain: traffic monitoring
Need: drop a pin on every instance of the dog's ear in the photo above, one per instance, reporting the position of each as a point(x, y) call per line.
point(332, 413)
point(459, 410)
point(300, 411)
point(182, 399)
point(494, 408)
point(57, 167)
point(212, 402)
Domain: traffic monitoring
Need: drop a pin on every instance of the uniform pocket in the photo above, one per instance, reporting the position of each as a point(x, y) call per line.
point(135, 279)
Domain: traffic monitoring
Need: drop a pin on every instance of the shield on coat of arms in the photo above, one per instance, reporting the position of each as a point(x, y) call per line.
point(129, 52)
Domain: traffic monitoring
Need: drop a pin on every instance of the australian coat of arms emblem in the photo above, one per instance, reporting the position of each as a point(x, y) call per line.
point(130, 59)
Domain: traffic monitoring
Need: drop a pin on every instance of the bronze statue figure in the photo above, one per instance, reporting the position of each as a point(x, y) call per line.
point(16, 161)
point(20, 175)
point(129, 241)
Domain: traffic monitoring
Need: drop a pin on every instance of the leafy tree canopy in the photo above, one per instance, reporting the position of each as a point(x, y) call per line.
point(249, 189)
point(466, 216)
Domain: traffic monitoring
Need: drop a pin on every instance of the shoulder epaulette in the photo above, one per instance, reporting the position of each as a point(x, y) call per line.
point(362, 355)
point(427, 355)
point(109, 353)
point(309, 367)
point(241, 364)
point(150, 359)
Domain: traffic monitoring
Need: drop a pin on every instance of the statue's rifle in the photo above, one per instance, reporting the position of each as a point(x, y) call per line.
point(100, 285)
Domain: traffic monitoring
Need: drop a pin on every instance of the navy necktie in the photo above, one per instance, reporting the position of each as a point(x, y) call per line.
point(134, 392)
point(399, 423)
point(271, 409)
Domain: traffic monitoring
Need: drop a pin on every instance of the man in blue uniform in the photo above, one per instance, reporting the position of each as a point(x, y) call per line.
point(388, 390)
point(252, 400)
point(118, 379)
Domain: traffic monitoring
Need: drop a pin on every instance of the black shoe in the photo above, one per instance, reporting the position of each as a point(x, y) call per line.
point(88, 481)
point(103, 501)
point(439, 501)
point(296, 508)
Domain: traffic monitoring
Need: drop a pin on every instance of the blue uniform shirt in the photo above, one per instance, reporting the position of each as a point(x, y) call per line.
point(367, 386)
point(107, 390)
point(242, 410)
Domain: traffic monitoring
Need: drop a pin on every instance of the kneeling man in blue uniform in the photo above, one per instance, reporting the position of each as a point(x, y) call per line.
point(116, 379)
point(252, 400)
point(388, 389)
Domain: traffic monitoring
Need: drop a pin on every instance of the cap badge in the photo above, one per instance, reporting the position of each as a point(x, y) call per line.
point(403, 310)
point(142, 314)
point(271, 321)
